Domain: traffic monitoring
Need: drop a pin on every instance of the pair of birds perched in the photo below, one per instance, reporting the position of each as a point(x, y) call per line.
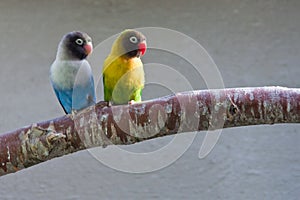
point(123, 75)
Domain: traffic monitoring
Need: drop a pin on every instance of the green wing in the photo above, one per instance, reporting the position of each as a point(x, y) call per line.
point(107, 91)
point(137, 95)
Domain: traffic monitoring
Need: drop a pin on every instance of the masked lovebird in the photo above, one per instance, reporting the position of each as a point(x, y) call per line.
point(71, 75)
point(123, 73)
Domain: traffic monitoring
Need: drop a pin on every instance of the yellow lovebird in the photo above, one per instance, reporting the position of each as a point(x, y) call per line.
point(123, 72)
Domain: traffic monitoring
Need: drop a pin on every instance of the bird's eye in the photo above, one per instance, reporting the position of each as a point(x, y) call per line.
point(133, 39)
point(79, 41)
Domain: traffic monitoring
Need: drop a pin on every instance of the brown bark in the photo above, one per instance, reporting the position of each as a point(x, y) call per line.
point(183, 112)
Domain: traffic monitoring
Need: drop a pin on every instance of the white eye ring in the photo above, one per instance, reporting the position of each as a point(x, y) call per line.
point(79, 41)
point(133, 39)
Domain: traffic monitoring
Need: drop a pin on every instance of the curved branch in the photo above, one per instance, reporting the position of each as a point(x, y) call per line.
point(100, 125)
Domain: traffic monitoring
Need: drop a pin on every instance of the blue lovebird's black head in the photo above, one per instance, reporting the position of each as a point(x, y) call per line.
point(75, 45)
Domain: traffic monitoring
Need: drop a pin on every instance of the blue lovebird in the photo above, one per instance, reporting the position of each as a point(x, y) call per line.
point(71, 75)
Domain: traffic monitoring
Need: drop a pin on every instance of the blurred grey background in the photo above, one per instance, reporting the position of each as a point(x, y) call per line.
point(253, 43)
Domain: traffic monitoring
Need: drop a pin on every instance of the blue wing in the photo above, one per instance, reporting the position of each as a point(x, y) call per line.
point(64, 97)
point(84, 95)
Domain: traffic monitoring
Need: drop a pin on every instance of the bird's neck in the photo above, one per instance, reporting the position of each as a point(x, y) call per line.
point(65, 55)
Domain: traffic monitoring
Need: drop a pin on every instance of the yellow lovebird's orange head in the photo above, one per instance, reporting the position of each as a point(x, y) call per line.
point(130, 44)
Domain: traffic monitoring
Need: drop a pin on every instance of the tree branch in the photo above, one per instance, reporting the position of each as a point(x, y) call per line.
point(182, 112)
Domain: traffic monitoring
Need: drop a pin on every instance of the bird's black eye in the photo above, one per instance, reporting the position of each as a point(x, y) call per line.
point(79, 41)
point(133, 39)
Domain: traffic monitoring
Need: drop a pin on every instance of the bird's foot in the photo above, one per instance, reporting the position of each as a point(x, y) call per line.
point(74, 112)
point(103, 104)
point(131, 102)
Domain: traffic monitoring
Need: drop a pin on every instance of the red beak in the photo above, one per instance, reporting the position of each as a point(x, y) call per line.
point(88, 48)
point(143, 48)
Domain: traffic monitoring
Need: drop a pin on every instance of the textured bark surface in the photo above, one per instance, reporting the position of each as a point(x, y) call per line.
point(182, 112)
